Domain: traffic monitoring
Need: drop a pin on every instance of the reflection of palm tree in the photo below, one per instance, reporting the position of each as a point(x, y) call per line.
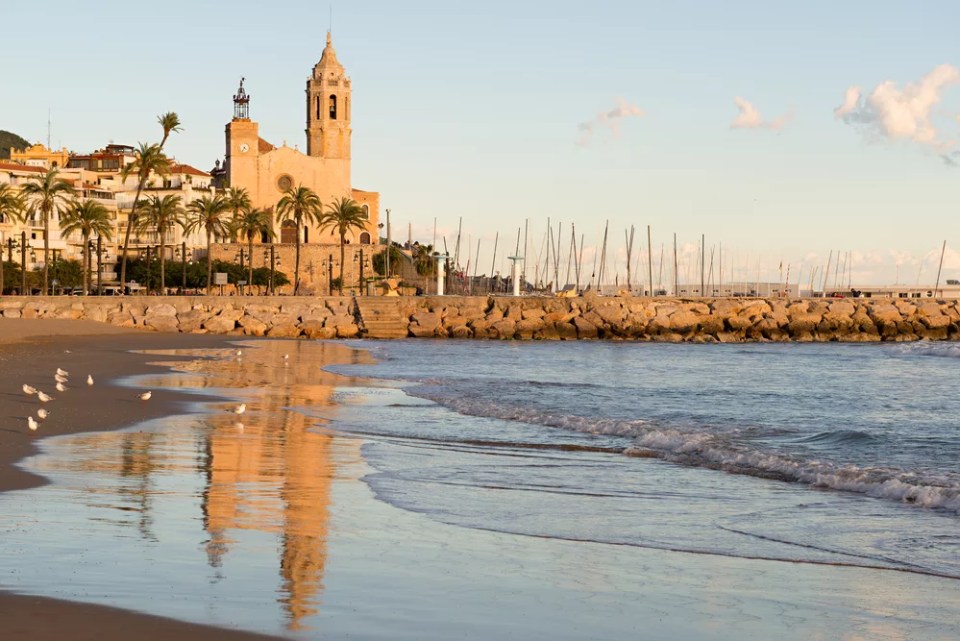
point(137, 462)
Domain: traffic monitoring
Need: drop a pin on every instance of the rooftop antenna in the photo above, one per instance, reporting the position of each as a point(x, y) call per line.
point(48, 128)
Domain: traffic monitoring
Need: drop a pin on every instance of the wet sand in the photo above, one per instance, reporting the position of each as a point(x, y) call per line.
point(30, 352)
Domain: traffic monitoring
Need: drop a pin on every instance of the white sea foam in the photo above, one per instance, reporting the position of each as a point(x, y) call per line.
point(701, 449)
point(720, 451)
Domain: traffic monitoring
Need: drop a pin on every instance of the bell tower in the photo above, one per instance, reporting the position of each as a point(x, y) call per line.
point(328, 108)
point(242, 137)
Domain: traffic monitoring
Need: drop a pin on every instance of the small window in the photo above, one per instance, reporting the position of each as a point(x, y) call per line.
point(333, 107)
point(318, 107)
point(366, 212)
point(365, 238)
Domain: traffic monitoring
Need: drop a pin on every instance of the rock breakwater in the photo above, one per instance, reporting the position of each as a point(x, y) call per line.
point(724, 320)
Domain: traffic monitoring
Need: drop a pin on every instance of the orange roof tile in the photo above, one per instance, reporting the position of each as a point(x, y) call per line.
point(187, 169)
point(12, 166)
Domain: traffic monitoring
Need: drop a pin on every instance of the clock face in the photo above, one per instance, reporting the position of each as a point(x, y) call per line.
point(244, 148)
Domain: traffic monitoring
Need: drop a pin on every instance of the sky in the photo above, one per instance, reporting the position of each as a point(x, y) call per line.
point(781, 132)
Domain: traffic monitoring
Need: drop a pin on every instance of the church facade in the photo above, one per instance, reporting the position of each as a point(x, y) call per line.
point(266, 171)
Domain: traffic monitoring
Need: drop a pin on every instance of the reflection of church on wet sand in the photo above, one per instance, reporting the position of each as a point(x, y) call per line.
point(265, 171)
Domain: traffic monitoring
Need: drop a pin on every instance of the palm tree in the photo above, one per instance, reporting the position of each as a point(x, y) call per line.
point(207, 213)
point(343, 215)
point(46, 195)
point(160, 214)
point(87, 217)
point(11, 209)
point(149, 160)
point(169, 122)
point(301, 205)
point(238, 199)
point(250, 224)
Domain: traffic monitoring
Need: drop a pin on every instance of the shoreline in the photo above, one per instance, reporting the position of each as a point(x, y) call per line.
point(30, 352)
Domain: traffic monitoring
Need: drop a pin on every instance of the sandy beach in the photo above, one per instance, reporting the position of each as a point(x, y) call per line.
point(30, 352)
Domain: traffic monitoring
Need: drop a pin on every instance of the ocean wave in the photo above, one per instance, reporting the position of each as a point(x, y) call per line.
point(838, 437)
point(929, 348)
point(721, 451)
point(711, 451)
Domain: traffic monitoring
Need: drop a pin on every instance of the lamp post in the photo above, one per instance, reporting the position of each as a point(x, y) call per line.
point(99, 265)
point(241, 281)
point(360, 260)
point(388, 244)
point(273, 265)
point(23, 263)
point(330, 275)
point(148, 269)
point(183, 267)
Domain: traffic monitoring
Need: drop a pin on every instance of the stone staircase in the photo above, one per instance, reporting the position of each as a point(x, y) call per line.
point(381, 317)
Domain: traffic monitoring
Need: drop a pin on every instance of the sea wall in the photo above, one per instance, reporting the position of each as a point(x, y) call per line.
point(644, 319)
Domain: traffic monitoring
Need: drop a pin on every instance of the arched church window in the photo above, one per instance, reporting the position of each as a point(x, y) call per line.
point(366, 212)
point(333, 107)
point(288, 232)
point(318, 107)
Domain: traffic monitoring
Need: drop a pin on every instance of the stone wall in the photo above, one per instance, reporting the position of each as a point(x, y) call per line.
point(669, 320)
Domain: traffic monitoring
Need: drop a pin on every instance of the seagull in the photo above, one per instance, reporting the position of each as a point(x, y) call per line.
point(61, 387)
point(89, 379)
point(32, 424)
point(286, 357)
point(44, 398)
point(61, 372)
point(60, 379)
point(29, 390)
point(239, 353)
point(43, 414)
point(240, 409)
point(145, 396)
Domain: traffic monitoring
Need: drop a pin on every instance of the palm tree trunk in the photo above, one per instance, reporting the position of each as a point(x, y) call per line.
point(250, 262)
point(296, 267)
point(209, 267)
point(126, 235)
point(340, 285)
point(86, 264)
point(46, 251)
point(163, 271)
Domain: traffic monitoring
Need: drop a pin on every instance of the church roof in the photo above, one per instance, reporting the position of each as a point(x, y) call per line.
point(328, 61)
point(263, 146)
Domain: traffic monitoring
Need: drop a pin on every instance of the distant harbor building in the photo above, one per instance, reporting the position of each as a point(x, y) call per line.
point(39, 156)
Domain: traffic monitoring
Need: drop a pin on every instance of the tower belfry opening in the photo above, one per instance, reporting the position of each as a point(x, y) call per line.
point(241, 103)
point(328, 113)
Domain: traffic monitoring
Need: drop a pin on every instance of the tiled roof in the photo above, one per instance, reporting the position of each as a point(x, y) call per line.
point(12, 166)
point(263, 146)
point(187, 169)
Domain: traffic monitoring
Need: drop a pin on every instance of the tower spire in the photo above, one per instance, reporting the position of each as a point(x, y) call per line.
point(241, 103)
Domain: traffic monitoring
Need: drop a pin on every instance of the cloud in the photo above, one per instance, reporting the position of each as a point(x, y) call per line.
point(750, 118)
point(901, 114)
point(607, 120)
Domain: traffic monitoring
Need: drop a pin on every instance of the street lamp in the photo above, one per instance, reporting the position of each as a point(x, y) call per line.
point(362, 263)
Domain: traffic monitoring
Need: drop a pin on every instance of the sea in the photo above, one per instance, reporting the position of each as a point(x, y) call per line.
point(522, 490)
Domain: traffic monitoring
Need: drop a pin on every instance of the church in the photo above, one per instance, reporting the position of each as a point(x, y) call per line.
point(266, 171)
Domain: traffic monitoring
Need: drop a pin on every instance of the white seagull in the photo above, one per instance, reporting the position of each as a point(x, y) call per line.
point(61, 387)
point(44, 398)
point(27, 389)
point(286, 357)
point(43, 414)
point(240, 409)
point(60, 379)
point(89, 379)
point(239, 353)
point(32, 424)
point(62, 372)
point(145, 396)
